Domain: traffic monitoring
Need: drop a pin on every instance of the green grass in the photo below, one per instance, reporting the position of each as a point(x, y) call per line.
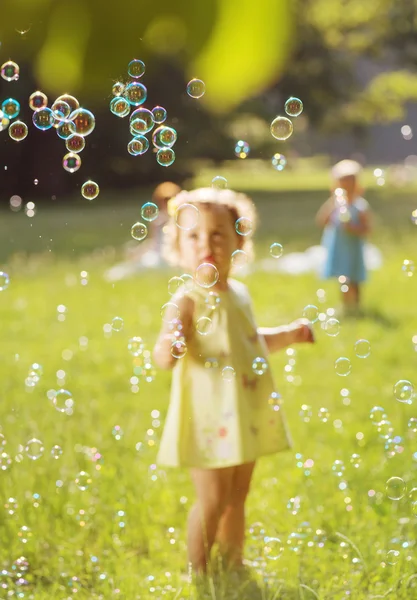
point(138, 559)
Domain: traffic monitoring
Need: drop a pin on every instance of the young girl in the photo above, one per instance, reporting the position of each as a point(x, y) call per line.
point(345, 217)
point(224, 411)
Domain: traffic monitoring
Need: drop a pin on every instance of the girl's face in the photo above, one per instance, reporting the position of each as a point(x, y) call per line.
point(212, 239)
point(349, 184)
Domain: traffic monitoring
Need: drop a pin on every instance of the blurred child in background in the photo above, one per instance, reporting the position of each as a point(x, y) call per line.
point(345, 217)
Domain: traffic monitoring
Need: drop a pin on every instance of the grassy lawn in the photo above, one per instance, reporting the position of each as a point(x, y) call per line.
point(120, 530)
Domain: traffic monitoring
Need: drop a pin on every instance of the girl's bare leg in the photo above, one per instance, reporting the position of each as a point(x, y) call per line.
point(231, 531)
point(351, 297)
point(213, 487)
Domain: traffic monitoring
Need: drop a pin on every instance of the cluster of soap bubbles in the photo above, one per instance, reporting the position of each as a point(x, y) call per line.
point(34, 376)
point(132, 95)
point(282, 127)
point(71, 122)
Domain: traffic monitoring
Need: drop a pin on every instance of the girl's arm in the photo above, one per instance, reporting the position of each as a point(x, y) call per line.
point(362, 228)
point(277, 338)
point(325, 212)
point(162, 354)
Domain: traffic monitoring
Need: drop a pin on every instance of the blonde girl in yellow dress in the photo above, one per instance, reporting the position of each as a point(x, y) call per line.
point(224, 411)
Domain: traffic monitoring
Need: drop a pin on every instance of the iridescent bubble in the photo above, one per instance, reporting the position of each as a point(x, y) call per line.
point(332, 327)
point(5, 461)
point(259, 365)
point(186, 216)
point(141, 121)
point(212, 300)
point(4, 121)
point(43, 119)
point(385, 429)
point(324, 414)
point(11, 506)
point(338, 468)
point(70, 100)
point(306, 413)
point(281, 128)
point(118, 88)
point(196, 88)
point(165, 157)
point(10, 71)
point(242, 149)
point(170, 313)
point(343, 366)
point(149, 211)
point(206, 275)
point(56, 452)
point(179, 349)
point(71, 162)
point(393, 556)
point(362, 348)
point(138, 145)
point(136, 346)
point(408, 268)
point(159, 114)
point(164, 137)
point(38, 100)
point(75, 143)
point(294, 505)
point(136, 68)
point(135, 93)
point(403, 391)
point(18, 131)
point(355, 461)
point(139, 231)
point(84, 121)
point(65, 130)
point(414, 217)
point(61, 110)
point(11, 108)
point(279, 161)
point(377, 415)
point(412, 423)
point(243, 226)
point(204, 325)
point(239, 259)
point(90, 190)
point(228, 373)
point(34, 449)
point(119, 106)
point(219, 182)
point(293, 107)
point(83, 481)
point(273, 548)
point(62, 400)
point(275, 401)
point(295, 542)
point(311, 312)
point(174, 284)
point(117, 324)
point(276, 250)
point(25, 534)
point(395, 488)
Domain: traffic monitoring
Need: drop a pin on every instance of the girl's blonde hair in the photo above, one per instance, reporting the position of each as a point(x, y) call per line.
point(238, 204)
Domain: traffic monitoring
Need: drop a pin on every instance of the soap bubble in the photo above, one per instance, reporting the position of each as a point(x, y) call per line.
point(165, 157)
point(275, 401)
point(338, 468)
point(136, 68)
point(11, 108)
point(136, 346)
point(90, 190)
point(188, 211)
point(159, 114)
point(65, 130)
point(293, 107)
point(61, 111)
point(305, 413)
point(239, 259)
point(84, 121)
point(83, 481)
point(204, 325)
point(38, 100)
point(18, 131)
point(71, 162)
point(164, 137)
point(242, 149)
point(377, 415)
point(135, 93)
point(273, 548)
point(259, 365)
point(355, 461)
point(279, 161)
point(117, 324)
point(332, 327)
point(62, 400)
point(228, 373)
point(311, 312)
point(118, 88)
point(281, 128)
point(179, 349)
point(276, 250)
point(403, 391)
point(343, 366)
point(324, 414)
point(75, 143)
point(408, 267)
point(219, 182)
point(149, 211)
point(34, 449)
point(138, 145)
point(243, 226)
point(139, 231)
point(141, 121)
point(10, 71)
point(206, 275)
point(412, 423)
point(196, 88)
point(4, 121)
point(395, 488)
point(70, 100)
point(119, 106)
point(56, 451)
point(4, 281)
point(362, 348)
point(43, 118)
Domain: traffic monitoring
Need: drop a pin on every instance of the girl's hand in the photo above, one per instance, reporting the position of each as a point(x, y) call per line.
point(301, 332)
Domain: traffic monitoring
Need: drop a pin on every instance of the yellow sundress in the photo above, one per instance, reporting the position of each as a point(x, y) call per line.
point(221, 412)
